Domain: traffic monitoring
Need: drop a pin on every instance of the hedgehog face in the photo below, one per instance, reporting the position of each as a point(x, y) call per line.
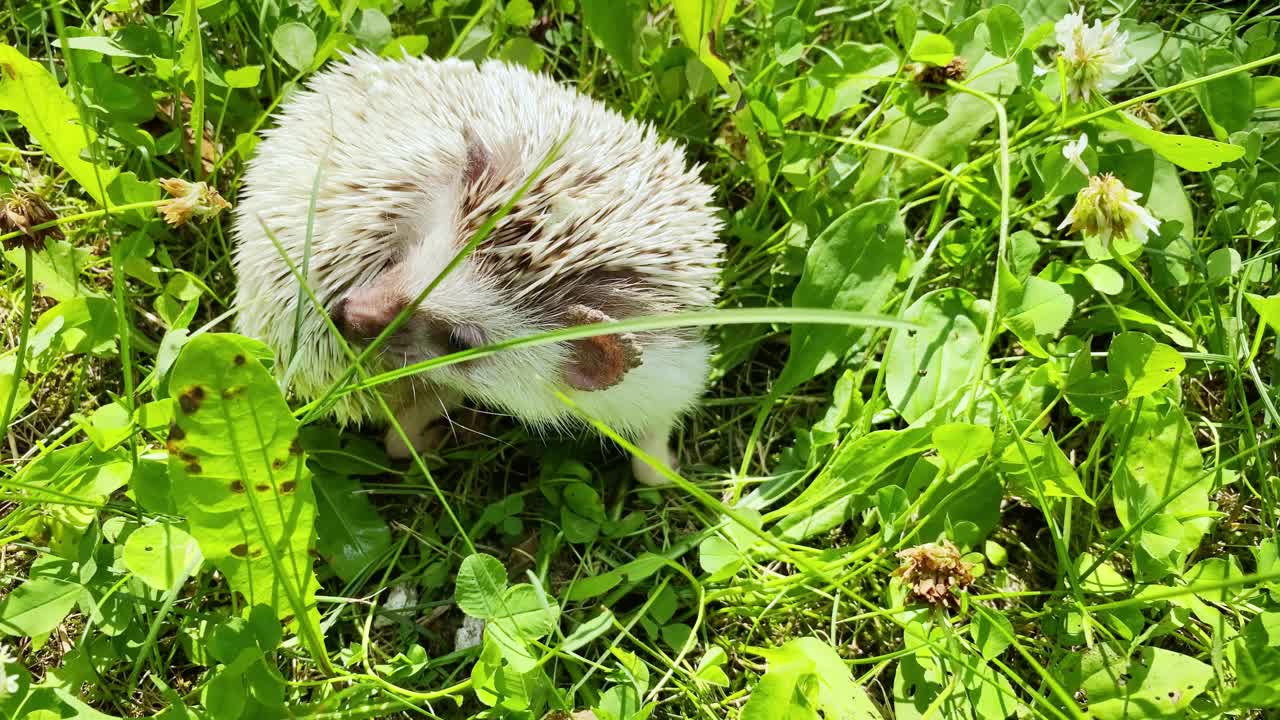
point(468, 308)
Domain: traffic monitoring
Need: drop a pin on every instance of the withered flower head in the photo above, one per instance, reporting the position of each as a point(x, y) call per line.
point(1107, 209)
point(22, 212)
point(1147, 113)
point(933, 78)
point(190, 200)
point(933, 571)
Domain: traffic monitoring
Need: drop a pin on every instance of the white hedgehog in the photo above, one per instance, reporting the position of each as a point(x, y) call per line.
point(413, 155)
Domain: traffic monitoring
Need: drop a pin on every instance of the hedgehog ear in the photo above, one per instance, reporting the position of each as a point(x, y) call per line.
point(601, 361)
point(479, 159)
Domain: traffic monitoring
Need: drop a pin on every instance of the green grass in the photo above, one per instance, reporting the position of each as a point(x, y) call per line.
point(955, 462)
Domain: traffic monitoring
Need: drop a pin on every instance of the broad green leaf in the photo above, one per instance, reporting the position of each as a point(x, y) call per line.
point(519, 13)
point(963, 506)
point(615, 25)
point(788, 40)
point(498, 684)
point(350, 535)
point(411, 45)
point(852, 265)
point(892, 504)
point(78, 472)
point(1161, 460)
point(27, 89)
point(1151, 683)
point(927, 365)
point(1257, 654)
point(1005, 28)
point(95, 43)
point(85, 325)
point(1104, 278)
point(1038, 465)
point(588, 631)
point(581, 513)
point(372, 28)
point(526, 613)
point(481, 583)
point(21, 395)
point(709, 668)
point(719, 558)
point(840, 76)
point(40, 603)
point(123, 98)
point(1143, 364)
point(806, 676)
point(1172, 253)
point(960, 443)
point(700, 22)
point(991, 632)
point(238, 475)
point(1266, 91)
point(1103, 580)
point(1228, 100)
point(848, 481)
point(1034, 308)
point(161, 555)
point(295, 43)
point(932, 48)
point(1186, 151)
point(245, 77)
point(1268, 309)
point(55, 268)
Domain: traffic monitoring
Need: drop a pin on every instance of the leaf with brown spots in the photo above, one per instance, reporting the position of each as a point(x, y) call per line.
point(235, 421)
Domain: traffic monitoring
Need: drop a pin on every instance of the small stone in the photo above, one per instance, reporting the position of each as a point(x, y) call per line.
point(469, 635)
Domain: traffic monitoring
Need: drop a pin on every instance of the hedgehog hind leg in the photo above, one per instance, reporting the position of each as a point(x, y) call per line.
point(420, 419)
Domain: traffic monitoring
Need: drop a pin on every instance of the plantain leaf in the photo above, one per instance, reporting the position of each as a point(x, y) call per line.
point(614, 24)
point(929, 364)
point(1186, 151)
point(852, 266)
point(27, 89)
point(350, 534)
point(238, 475)
point(700, 22)
point(37, 606)
point(806, 675)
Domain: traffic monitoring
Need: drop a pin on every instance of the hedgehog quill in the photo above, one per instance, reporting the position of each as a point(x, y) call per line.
point(412, 157)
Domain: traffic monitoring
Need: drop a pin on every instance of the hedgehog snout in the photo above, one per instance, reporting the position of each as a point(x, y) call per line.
point(365, 312)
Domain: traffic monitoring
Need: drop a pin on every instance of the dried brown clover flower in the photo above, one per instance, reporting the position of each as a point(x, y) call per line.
point(23, 211)
point(190, 200)
point(933, 78)
point(932, 572)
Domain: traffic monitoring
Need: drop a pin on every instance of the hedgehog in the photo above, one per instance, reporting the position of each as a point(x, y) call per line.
point(380, 171)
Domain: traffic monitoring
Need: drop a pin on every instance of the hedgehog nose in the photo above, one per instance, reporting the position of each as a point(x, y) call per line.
point(365, 312)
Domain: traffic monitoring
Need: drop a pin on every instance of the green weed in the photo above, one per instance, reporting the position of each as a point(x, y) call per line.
point(991, 433)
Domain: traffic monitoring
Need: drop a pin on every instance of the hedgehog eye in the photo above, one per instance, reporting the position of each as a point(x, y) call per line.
point(462, 338)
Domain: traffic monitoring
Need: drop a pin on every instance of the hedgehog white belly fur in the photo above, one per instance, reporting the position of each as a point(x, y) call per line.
point(413, 155)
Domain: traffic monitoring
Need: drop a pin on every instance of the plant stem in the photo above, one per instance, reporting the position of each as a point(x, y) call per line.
point(1155, 297)
point(23, 333)
point(67, 219)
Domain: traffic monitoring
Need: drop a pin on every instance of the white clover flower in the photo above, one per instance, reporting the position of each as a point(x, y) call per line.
point(1094, 56)
point(6, 657)
point(1107, 209)
point(1074, 153)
